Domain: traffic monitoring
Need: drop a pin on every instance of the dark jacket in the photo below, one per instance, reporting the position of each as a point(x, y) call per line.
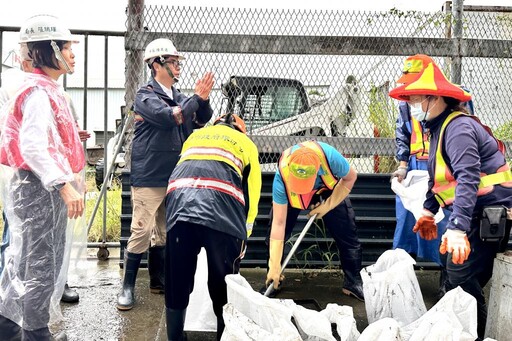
point(468, 150)
point(403, 132)
point(217, 183)
point(162, 126)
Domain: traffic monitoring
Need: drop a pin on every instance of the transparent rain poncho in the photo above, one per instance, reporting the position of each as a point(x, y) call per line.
point(39, 148)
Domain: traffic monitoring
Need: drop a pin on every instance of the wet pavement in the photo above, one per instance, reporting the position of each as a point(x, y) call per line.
point(96, 317)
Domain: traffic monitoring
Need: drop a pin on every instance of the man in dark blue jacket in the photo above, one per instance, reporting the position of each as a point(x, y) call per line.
point(164, 119)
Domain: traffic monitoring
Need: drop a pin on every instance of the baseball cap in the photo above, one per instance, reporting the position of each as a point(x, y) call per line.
point(413, 65)
point(303, 167)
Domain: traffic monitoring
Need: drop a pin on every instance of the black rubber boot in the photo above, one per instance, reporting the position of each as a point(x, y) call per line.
point(126, 299)
point(352, 282)
point(69, 295)
point(156, 269)
point(175, 324)
point(9, 330)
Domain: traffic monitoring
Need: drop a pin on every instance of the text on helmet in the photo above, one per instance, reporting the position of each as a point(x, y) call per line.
point(41, 29)
point(160, 49)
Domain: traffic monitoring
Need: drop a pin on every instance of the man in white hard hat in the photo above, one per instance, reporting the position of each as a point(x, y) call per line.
point(164, 119)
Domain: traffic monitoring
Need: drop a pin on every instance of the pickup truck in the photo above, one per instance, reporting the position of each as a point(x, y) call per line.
point(280, 107)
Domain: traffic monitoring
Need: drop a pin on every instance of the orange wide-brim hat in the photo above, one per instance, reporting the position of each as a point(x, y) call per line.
point(432, 82)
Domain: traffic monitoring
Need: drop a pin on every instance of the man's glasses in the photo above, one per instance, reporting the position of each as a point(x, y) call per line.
point(173, 62)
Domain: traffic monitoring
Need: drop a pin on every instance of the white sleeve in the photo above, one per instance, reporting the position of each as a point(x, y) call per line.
point(40, 143)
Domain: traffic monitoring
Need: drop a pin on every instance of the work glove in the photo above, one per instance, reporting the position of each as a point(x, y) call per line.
point(400, 173)
point(248, 228)
point(274, 263)
point(455, 242)
point(426, 226)
point(339, 194)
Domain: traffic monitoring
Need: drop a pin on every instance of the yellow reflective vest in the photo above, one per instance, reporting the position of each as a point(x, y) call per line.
point(419, 144)
point(445, 183)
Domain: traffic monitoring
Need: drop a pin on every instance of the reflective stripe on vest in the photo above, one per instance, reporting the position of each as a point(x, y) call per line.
point(329, 180)
point(445, 183)
point(224, 155)
point(419, 141)
point(207, 183)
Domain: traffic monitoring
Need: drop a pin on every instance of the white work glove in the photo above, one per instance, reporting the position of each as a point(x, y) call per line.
point(455, 242)
point(400, 173)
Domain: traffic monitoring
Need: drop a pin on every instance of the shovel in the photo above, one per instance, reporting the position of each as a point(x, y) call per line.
point(270, 288)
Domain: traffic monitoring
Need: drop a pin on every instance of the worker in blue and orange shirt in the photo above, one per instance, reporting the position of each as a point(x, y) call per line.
point(469, 176)
point(315, 175)
point(412, 147)
point(212, 202)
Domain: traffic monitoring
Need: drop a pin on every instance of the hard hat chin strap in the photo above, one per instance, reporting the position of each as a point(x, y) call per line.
point(169, 72)
point(60, 57)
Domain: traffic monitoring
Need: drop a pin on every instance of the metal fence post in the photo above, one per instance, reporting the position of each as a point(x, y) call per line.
point(133, 60)
point(456, 75)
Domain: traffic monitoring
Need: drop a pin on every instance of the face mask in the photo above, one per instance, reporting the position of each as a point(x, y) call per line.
point(417, 111)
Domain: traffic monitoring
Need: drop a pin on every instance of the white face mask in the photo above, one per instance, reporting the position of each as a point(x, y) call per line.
point(417, 111)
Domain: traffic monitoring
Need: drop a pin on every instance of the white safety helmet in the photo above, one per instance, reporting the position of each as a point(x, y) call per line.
point(161, 47)
point(44, 27)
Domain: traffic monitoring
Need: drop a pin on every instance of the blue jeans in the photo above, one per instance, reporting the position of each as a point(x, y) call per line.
point(4, 243)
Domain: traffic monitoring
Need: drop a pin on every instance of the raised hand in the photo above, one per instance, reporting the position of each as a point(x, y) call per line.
point(204, 86)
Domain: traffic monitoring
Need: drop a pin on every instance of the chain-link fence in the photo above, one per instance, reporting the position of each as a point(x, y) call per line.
point(297, 74)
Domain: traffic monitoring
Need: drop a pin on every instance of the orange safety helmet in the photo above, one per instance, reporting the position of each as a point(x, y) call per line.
point(232, 120)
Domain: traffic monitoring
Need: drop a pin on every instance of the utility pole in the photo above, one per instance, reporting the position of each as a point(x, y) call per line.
point(456, 74)
point(134, 64)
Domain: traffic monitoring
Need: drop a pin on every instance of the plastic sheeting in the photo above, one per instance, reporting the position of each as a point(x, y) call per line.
point(412, 192)
point(200, 315)
point(39, 148)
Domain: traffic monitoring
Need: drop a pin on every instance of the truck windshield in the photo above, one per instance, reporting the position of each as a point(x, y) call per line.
point(270, 104)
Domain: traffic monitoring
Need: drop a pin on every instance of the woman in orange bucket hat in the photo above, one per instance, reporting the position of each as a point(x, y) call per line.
point(468, 174)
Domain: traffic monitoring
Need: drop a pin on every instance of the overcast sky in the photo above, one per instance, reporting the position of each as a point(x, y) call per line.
point(109, 14)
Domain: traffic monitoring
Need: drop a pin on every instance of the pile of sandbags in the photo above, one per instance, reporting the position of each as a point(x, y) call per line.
point(396, 310)
point(393, 301)
point(252, 316)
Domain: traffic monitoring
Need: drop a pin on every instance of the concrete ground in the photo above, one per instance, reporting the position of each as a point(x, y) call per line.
point(96, 317)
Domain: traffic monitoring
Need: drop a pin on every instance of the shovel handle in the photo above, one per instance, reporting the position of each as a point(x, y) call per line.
point(305, 230)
